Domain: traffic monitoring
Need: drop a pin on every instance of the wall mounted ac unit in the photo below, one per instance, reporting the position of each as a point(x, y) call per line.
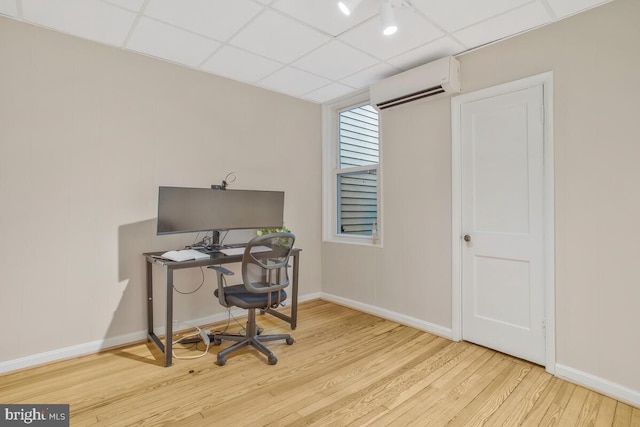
point(434, 78)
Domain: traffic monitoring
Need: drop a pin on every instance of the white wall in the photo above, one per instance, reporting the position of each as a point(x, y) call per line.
point(595, 60)
point(87, 134)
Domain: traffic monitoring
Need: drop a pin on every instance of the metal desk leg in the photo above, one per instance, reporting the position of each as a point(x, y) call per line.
point(151, 334)
point(293, 319)
point(294, 303)
point(168, 346)
point(150, 299)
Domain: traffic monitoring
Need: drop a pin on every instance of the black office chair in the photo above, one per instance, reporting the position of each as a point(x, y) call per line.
point(264, 276)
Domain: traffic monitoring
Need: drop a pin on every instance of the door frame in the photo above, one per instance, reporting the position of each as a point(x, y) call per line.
point(546, 81)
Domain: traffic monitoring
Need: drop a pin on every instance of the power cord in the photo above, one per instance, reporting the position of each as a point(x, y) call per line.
point(223, 237)
point(230, 314)
point(204, 335)
point(193, 291)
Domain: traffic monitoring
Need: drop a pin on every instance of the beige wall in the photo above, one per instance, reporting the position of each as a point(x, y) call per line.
point(87, 134)
point(595, 58)
point(411, 274)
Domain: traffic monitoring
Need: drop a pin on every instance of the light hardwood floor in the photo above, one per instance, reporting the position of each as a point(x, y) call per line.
point(345, 368)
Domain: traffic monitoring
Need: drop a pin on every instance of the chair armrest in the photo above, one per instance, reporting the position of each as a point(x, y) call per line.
point(221, 270)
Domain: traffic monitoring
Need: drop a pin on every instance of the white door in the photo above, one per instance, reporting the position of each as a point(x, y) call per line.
point(502, 141)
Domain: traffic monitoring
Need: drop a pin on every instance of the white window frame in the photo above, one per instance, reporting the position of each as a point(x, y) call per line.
point(330, 171)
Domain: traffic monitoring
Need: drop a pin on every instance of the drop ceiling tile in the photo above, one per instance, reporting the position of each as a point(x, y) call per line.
point(513, 22)
point(167, 42)
point(437, 49)
point(263, 36)
point(278, 37)
point(563, 8)
point(335, 60)
point(326, 15)
point(9, 8)
point(237, 64)
point(453, 15)
point(373, 74)
point(133, 5)
point(89, 19)
point(218, 19)
point(292, 81)
point(413, 31)
point(328, 93)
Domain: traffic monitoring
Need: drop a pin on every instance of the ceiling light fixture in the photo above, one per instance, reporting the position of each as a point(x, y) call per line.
point(387, 15)
point(348, 6)
point(387, 18)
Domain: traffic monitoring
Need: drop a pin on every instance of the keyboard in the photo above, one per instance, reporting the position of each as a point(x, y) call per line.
point(240, 250)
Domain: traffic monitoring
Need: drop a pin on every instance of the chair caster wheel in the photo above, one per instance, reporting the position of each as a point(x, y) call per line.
point(217, 341)
point(272, 359)
point(259, 331)
point(222, 360)
point(289, 341)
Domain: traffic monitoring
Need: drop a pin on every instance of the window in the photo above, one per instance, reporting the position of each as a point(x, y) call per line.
point(357, 187)
point(352, 166)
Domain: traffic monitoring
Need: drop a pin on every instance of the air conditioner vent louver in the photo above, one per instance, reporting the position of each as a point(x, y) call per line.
point(432, 91)
point(435, 78)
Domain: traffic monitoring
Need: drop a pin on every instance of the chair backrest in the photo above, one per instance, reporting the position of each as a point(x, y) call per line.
point(265, 262)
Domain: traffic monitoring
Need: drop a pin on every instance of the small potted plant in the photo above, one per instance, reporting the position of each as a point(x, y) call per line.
point(263, 231)
point(279, 242)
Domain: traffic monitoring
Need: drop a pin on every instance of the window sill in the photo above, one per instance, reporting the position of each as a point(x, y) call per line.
point(358, 241)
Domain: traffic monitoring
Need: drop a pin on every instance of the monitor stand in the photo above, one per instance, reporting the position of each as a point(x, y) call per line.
point(207, 245)
point(215, 238)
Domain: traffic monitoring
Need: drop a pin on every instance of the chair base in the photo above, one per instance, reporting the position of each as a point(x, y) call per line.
point(250, 339)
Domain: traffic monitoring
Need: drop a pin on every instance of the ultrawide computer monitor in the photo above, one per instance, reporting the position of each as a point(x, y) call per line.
point(185, 210)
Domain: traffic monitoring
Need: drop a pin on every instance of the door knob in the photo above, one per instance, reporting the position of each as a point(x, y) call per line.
point(467, 238)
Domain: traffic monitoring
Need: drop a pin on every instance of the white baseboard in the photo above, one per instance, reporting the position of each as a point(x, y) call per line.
point(309, 297)
point(69, 352)
point(117, 341)
point(606, 387)
point(390, 315)
point(99, 345)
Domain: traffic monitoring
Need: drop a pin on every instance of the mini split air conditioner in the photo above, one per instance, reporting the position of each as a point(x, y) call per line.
point(435, 78)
